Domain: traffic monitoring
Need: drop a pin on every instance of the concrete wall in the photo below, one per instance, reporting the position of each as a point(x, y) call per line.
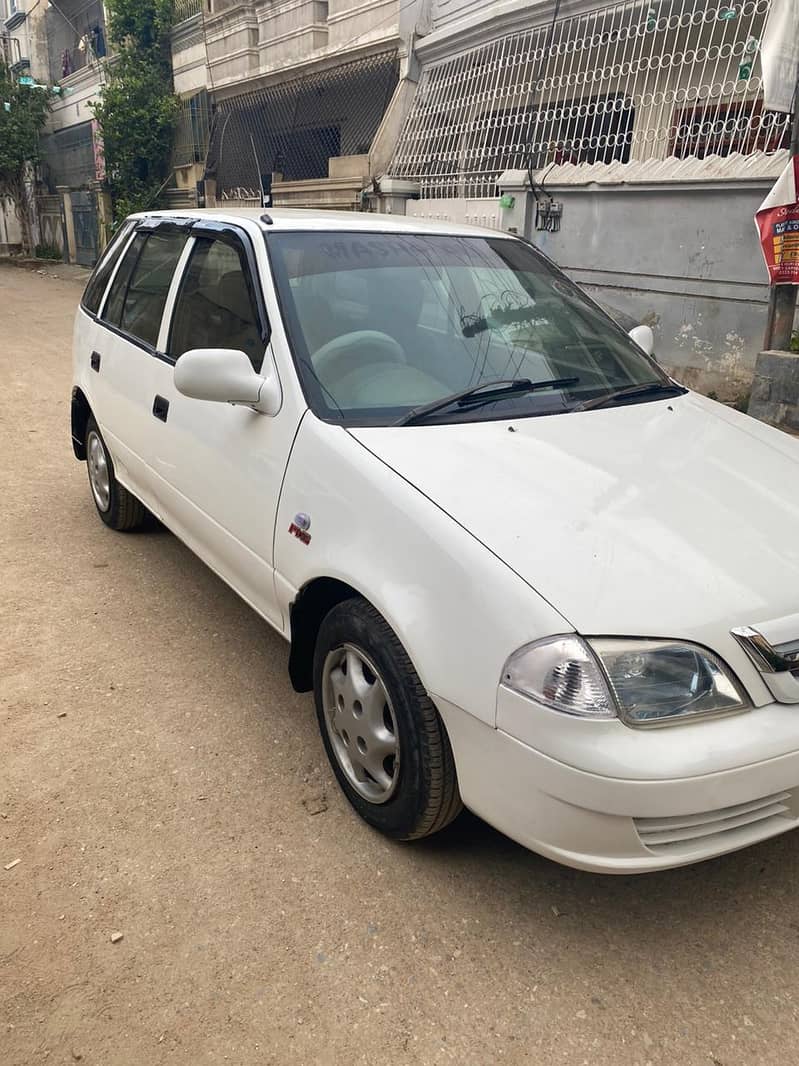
point(465, 20)
point(291, 30)
point(251, 39)
point(682, 259)
point(188, 57)
point(365, 20)
point(446, 12)
point(72, 106)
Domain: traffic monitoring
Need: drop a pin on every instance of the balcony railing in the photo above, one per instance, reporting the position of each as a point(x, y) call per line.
point(186, 9)
point(76, 37)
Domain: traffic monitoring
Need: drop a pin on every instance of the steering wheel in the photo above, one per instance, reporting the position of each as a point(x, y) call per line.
point(351, 350)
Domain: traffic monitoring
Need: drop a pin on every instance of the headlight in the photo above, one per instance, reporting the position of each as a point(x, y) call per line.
point(657, 680)
point(641, 681)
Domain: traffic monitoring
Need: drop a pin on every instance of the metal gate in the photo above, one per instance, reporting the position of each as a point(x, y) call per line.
point(84, 217)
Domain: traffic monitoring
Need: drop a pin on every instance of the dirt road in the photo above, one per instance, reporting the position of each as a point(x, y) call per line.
point(160, 779)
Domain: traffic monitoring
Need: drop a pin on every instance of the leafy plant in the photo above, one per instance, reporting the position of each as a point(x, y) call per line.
point(23, 110)
point(138, 109)
point(795, 341)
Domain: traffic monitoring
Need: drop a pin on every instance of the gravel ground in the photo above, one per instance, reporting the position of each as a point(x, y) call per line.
point(160, 780)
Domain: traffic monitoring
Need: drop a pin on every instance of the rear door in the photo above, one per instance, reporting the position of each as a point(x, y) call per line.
point(219, 468)
point(125, 350)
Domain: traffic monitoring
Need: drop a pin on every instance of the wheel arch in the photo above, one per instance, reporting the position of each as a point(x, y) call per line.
point(81, 412)
point(312, 603)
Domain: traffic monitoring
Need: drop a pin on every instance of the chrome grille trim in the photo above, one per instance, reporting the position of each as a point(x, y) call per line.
point(774, 650)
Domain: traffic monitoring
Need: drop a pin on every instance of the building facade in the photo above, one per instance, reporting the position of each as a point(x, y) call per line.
point(63, 46)
point(23, 53)
point(302, 93)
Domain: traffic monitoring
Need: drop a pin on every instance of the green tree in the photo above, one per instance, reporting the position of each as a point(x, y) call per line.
point(137, 110)
point(23, 111)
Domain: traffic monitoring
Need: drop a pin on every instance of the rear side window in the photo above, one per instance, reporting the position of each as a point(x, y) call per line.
point(138, 296)
point(215, 306)
point(93, 296)
point(116, 297)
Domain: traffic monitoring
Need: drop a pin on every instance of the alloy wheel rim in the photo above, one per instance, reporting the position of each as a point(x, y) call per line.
point(99, 474)
point(361, 724)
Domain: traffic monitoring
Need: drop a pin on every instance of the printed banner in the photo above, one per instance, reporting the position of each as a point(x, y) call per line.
point(777, 223)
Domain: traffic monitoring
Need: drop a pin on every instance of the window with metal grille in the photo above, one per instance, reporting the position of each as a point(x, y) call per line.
point(701, 131)
point(615, 83)
point(294, 128)
point(192, 130)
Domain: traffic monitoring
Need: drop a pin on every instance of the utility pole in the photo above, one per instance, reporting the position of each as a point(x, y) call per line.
point(782, 298)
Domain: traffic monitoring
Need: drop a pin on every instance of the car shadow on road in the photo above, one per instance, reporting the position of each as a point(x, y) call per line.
point(658, 908)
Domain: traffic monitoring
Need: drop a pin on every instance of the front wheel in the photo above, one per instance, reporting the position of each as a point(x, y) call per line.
point(383, 736)
point(117, 507)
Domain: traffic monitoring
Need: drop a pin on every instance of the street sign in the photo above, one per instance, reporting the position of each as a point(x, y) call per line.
point(779, 55)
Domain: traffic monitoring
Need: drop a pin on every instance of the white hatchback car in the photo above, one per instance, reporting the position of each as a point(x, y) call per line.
point(520, 567)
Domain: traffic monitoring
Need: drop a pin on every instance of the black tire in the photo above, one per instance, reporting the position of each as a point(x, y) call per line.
point(424, 797)
point(121, 510)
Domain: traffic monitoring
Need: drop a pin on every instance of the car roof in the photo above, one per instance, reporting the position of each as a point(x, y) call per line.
point(282, 218)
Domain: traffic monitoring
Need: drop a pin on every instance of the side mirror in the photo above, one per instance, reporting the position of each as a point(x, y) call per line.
point(226, 375)
point(644, 338)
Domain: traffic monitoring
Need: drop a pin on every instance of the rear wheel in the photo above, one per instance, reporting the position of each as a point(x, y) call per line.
point(383, 736)
point(117, 507)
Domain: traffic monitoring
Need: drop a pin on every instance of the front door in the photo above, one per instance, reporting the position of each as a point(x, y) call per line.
point(220, 467)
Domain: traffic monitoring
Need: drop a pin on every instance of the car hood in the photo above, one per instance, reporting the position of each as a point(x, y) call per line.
point(675, 518)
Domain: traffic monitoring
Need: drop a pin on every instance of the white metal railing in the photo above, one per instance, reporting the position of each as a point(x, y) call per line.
point(632, 80)
point(186, 9)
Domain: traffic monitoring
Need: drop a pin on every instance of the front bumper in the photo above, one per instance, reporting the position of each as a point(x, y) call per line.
point(623, 824)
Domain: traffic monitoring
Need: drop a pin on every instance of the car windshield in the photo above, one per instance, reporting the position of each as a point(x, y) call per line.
point(382, 324)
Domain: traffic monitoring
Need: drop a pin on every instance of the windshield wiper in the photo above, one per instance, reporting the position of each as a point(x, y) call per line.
point(486, 392)
point(665, 388)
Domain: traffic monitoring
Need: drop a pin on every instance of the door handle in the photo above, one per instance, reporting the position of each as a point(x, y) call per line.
point(95, 361)
point(161, 408)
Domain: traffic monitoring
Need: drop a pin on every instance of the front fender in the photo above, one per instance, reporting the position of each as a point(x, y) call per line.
point(457, 608)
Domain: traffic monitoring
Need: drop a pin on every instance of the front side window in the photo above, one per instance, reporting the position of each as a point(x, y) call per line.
point(381, 324)
point(215, 307)
point(138, 296)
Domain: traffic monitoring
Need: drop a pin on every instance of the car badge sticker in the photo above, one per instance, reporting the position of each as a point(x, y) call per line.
point(300, 526)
